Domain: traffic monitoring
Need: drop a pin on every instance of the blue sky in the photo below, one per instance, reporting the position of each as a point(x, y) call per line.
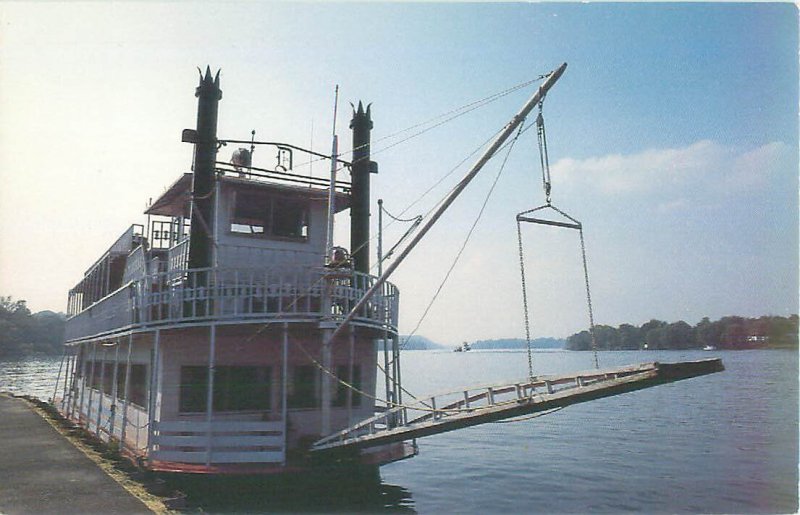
point(673, 137)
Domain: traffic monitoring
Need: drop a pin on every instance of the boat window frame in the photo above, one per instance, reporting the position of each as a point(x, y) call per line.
point(267, 216)
point(223, 386)
point(295, 398)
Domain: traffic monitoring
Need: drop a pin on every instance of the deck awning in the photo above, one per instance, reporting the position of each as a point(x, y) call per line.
point(174, 201)
point(279, 189)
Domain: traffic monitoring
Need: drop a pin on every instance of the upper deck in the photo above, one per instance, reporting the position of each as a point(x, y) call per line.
point(279, 293)
point(268, 255)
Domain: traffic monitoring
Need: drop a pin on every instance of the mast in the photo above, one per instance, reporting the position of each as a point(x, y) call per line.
point(332, 190)
point(493, 148)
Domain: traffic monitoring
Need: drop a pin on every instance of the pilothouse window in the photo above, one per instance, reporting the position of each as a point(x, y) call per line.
point(267, 216)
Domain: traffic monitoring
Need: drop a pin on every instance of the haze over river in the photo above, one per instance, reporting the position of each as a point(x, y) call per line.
point(724, 443)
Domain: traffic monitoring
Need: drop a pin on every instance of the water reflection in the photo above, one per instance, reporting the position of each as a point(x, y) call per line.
point(32, 376)
point(344, 492)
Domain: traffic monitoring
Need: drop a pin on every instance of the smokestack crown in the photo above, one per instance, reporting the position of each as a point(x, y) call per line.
point(208, 86)
point(361, 118)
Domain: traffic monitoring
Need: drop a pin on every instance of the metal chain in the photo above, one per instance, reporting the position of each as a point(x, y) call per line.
point(543, 157)
point(589, 300)
point(525, 300)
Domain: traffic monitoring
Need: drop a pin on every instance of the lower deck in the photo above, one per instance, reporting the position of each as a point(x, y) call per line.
point(224, 398)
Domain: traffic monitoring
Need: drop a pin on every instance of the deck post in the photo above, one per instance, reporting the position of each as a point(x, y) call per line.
point(91, 385)
point(65, 389)
point(396, 387)
point(126, 389)
point(79, 398)
point(101, 391)
point(210, 392)
point(58, 377)
point(325, 428)
point(114, 391)
point(151, 401)
point(350, 376)
point(72, 384)
point(285, 386)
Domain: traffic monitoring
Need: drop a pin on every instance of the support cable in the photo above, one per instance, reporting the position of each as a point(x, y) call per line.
point(525, 300)
point(439, 119)
point(589, 301)
point(466, 240)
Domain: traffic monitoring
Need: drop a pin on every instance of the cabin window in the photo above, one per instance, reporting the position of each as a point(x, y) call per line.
point(271, 217)
point(303, 392)
point(93, 370)
point(108, 378)
point(194, 389)
point(138, 385)
point(251, 214)
point(121, 381)
point(343, 373)
point(290, 219)
point(137, 393)
point(235, 389)
point(242, 388)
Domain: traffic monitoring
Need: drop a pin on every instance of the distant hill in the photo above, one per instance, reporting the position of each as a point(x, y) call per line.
point(23, 333)
point(419, 343)
point(519, 343)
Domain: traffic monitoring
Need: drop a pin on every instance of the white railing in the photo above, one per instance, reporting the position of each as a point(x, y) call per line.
point(219, 442)
point(435, 409)
point(113, 312)
point(178, 255)
point(135, 265)
point(205, 294)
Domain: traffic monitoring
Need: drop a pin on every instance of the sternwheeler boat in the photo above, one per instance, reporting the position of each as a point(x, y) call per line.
point(227, 335)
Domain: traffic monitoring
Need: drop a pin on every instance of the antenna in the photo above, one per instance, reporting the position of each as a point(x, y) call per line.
point(311, 146)
point(332, 189)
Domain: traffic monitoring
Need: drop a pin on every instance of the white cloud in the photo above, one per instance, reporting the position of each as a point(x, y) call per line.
point(705, 166)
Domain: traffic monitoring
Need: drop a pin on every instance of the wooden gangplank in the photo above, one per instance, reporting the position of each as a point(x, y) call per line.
point(479, 405)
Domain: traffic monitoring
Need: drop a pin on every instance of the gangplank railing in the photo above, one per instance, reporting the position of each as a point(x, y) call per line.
point(462, 408)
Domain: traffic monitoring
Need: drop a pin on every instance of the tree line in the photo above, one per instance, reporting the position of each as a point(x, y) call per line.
point(23, 333)
point(731, 332)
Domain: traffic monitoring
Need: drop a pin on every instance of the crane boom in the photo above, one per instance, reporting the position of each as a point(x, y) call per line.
point(498, 142)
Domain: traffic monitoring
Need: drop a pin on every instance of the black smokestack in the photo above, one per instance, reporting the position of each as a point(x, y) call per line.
point(205, 154)
point(359, 204)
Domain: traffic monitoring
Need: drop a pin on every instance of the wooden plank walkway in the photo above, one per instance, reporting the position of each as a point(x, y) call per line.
point(42, 472)
point(465, 408)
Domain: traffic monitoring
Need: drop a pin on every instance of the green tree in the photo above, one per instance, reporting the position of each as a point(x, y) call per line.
point(629, 337)
point(579, 341)
point(678, 335)
point(22, 333)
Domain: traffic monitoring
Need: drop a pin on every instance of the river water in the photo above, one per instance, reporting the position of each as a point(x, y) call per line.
point(724, 443)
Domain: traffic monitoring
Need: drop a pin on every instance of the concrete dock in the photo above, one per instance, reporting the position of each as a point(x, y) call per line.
point(41, 471)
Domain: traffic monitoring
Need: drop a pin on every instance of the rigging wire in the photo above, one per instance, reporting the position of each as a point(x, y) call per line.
point(444, 117)
point(450, 172)
point(589, 301)
point(525, 301)
point(466, 240)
